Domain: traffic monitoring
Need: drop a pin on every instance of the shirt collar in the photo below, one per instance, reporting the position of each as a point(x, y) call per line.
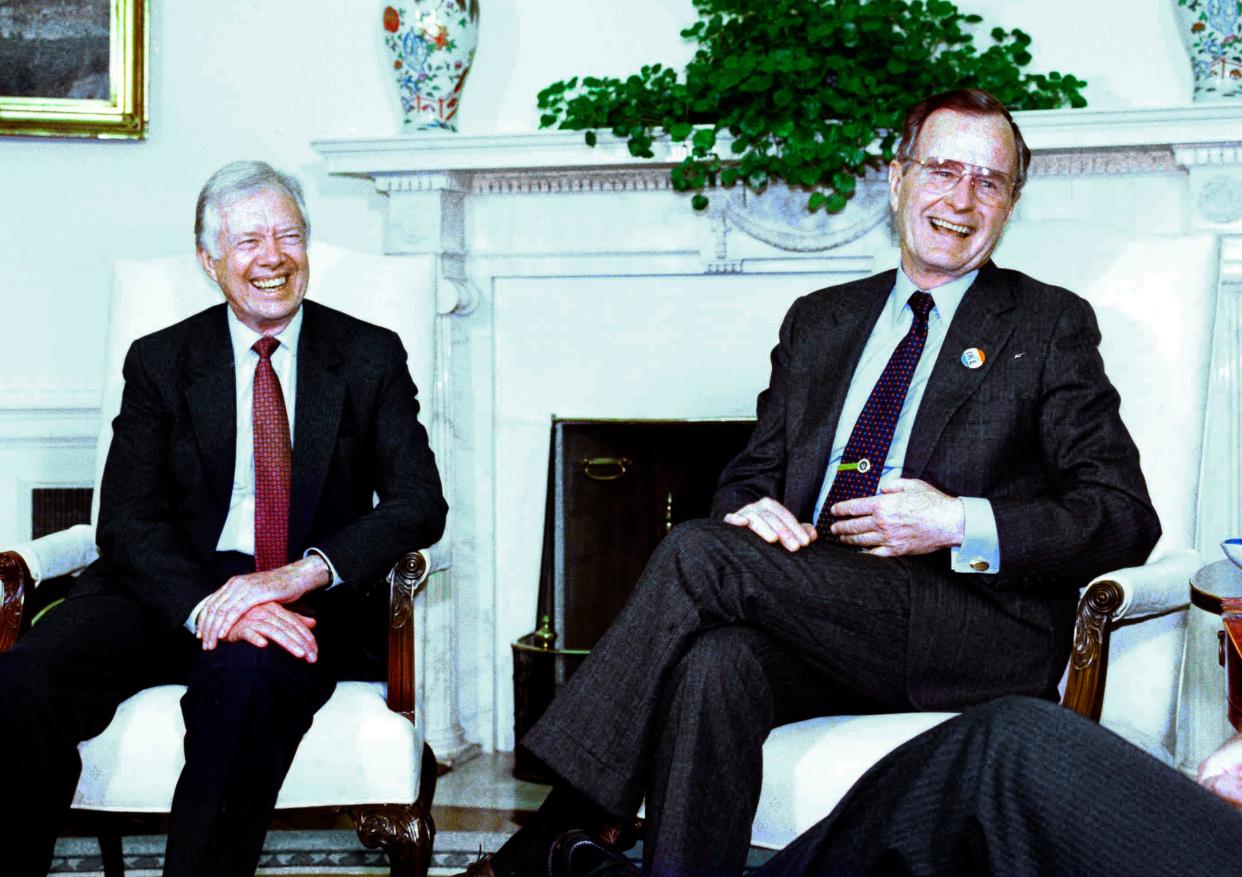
point(947, 296)
point(243, 337)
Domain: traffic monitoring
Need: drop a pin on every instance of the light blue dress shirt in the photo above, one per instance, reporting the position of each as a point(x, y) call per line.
point(980, 548)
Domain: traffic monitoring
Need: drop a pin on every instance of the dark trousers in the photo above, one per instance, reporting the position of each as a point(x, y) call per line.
point(245, 711)
point(724, 638)
point(1019, 787)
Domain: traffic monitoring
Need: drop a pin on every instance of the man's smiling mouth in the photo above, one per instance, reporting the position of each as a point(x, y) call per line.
point(945, 225)
point(270, 283)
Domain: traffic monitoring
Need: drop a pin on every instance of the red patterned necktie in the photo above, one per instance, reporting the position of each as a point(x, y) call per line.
point(272, 456)
point(867, 448)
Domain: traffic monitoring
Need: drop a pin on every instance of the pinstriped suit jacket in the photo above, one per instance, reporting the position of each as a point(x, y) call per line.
point(1035, 430)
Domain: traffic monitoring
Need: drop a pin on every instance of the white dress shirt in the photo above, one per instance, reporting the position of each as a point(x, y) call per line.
point(238, 531)
point(980, 548)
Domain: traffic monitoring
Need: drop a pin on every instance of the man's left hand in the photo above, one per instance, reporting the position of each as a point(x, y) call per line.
point(908, 517)
point(241, 593)
point(1221, 772)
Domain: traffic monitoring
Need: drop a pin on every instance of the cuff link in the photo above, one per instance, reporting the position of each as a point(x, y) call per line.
point(979, 565)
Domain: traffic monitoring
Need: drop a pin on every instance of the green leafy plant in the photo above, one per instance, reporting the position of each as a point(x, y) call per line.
point(811, 92)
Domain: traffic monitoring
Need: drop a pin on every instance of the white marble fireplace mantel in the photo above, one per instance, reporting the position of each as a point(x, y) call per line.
point(573, 280)
point(1044, 130)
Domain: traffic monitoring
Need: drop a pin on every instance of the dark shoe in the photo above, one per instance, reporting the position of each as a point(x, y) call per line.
point(576, 854)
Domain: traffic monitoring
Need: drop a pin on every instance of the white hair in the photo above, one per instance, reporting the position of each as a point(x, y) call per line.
point(231, 182)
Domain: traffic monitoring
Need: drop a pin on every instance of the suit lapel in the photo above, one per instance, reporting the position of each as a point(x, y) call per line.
point(320, 399)
point(211, 394)
point(983, 321)
point(838, 340)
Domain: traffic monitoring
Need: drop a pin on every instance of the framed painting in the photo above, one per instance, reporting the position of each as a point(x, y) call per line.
point(73, 68)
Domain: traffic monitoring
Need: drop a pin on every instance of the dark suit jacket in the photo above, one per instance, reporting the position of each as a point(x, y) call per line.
point(1035, 430)
point(169, 472)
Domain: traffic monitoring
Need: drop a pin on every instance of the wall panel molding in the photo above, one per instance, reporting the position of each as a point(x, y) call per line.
point(49, 416)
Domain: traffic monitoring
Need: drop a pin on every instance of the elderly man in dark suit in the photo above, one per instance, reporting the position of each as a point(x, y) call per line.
point(937, 467)
point(239, 540)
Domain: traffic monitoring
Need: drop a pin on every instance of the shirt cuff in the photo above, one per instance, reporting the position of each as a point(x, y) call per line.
point(336, 579)
point(191, 623)
point(980, 548)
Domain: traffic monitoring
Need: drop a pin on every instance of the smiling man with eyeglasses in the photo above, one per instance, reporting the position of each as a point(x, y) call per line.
point(953, 186)
point(937, 467)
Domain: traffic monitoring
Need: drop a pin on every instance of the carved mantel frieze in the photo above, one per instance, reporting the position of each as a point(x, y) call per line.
point(1215, 183)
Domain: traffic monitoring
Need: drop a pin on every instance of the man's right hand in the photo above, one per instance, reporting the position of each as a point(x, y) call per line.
point(273, 623)
point(772, 522)
point(1221, 772)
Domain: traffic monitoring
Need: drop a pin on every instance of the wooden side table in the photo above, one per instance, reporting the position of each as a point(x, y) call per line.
point(1202, 710)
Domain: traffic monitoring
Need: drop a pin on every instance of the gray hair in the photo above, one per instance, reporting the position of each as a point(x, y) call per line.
point(231, 182)
point(973, 102)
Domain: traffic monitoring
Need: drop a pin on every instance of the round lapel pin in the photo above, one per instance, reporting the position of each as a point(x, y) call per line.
point(973, 357)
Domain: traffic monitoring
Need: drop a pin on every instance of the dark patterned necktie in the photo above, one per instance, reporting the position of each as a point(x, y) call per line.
point(863, 461)
point(272, 456)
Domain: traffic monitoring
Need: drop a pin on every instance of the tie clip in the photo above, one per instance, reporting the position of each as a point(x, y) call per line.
point(863, 466)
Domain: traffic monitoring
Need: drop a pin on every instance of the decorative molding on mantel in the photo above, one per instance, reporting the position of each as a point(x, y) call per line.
point(1081, 162)
point(631, 179)
point(1231, 260)
point(1064, 142)
point(1046, 130)
point(1195, 155)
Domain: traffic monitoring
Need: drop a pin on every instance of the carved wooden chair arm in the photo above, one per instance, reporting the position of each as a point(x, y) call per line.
point(14, 580)
point(406, 579)
point(1084, 687)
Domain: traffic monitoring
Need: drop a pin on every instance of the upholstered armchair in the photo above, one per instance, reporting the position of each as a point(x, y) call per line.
point(1130, 628)
point(365, 752)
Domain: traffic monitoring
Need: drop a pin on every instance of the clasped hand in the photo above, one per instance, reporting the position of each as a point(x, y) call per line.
point(1221, 772)
point(909, 516)
point(249, 608)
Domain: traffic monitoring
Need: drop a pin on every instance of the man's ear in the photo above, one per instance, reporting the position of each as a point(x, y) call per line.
point(1013, 203)
point(208, 263)
point(896, 170)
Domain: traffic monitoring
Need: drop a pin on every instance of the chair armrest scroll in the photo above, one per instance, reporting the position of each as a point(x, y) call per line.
point(1156, 587)
point(14, 579)
point(1126, 594)
point(1088, 670)
point(405, 580)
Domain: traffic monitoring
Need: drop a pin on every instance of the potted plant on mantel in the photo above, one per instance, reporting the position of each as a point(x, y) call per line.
point(809, 92)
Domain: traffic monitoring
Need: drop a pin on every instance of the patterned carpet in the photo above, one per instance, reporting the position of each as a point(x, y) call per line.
point(287, 852)
point(301, 853)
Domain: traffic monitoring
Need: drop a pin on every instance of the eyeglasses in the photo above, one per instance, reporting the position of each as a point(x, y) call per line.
point(941, 176)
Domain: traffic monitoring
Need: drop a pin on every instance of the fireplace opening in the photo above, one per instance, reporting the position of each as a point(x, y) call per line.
point(615, 488)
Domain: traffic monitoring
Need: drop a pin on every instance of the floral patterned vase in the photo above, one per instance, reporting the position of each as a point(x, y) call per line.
point(432, 45)
point(1212, 33)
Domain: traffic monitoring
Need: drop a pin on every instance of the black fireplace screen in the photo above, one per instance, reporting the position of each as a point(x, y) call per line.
point(615, 487)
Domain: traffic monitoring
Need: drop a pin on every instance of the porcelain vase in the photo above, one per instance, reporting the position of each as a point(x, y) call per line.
point(1211, 30)
point(431, 46)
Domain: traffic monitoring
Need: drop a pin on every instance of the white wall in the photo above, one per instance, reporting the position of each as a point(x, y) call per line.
point(234, 79)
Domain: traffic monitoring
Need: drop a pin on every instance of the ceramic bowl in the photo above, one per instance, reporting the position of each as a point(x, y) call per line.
point(1233, 550)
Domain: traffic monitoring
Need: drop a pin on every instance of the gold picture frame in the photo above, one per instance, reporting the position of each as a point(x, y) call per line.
point(122, 114)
